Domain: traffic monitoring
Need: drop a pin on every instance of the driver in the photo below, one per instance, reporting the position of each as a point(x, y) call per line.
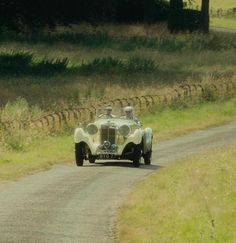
point(108, 113)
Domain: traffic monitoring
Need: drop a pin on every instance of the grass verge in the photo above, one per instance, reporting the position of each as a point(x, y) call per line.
point(166, 123)
point(174, 121)
point(40, 155)
point(227, 22)
point(190, 201)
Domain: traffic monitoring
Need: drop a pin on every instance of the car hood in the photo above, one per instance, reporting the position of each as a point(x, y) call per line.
point(115, 122)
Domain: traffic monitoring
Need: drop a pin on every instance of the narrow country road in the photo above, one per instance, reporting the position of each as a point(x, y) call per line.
point(70, 204)
point(224, 30)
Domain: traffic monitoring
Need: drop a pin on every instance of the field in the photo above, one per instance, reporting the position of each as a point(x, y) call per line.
point(77, 65)
point(191, 201)
point(227, 23)
point(91, 62)
point(24, 154)
point(221, 17)
point(80, 65)
point(71, 67)
point(217, 4)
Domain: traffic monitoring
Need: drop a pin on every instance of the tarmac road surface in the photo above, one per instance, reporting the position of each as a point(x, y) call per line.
point(71, 204)
point(225, 30)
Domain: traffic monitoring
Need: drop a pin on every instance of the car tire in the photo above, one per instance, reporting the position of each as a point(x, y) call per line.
point(137, 155)
point(147, 157)
point(79, 154)
point(91, 159)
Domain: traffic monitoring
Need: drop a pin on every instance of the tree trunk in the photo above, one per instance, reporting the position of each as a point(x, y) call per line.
point(176, 4)
point(175, 20)
point(205, 19)
point(149, 10)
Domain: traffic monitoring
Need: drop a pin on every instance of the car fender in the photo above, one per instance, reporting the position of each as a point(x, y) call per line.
point(80, 136)
point(147, 139)
point(136, 137)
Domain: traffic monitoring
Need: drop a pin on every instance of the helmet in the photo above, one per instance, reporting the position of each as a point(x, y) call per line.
point(108, 108)
point(129, 112)
point(128, 109)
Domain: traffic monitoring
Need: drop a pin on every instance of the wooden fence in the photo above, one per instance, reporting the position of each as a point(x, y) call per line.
point(70, 117)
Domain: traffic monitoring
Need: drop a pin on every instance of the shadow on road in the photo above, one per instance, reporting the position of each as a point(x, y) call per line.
point(124, 164)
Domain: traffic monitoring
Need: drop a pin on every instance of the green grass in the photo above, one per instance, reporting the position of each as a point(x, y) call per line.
point(164, 42)
point(86, 62)
point(190, 201)
point(116, 66)
point(40, 155)
point(170, 122)
point(217, 4)
point(112, 61)
point(227, 20)
point(22, 157)
point(227, 23)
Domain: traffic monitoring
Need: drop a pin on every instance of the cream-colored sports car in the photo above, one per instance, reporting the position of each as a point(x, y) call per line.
point(113, 137)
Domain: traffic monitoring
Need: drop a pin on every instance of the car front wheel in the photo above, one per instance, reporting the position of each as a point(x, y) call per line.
point(137, 155)
point(92, 159)
point(147, 157)
point(79, 154)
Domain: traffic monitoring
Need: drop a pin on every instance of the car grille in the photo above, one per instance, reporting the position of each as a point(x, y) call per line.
point(108, 134)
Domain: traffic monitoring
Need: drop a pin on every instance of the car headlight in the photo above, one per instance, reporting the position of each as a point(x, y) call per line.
point(91, 129)
point(124, 130)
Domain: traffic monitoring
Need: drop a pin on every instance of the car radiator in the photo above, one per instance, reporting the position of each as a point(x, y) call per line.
point(108, 134)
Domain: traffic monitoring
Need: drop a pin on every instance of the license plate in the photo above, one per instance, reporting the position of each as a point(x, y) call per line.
point(106, 156)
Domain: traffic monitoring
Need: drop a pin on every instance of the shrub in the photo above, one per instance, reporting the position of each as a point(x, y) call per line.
point(183, 19)
point(87, 39)
point(15, 141)
point(137, 64)
point(19, 63)
point(14, 63)
point(19, 110)
point(210, 94)
point(112, 65)
point(101, 65)
point(212, 42)
point(171, 44)
point(139, 42)
point(50, 66)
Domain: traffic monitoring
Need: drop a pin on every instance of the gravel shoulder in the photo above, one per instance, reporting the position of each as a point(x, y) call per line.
point(225, 30)
point(70, 204)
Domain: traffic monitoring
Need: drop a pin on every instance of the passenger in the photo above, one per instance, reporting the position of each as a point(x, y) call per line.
point(129, 114)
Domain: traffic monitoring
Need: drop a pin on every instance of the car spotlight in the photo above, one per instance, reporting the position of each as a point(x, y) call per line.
point(92, 129)
point(124, 130)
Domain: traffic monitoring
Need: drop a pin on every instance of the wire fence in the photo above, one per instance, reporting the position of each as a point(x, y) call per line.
point(220, 13)
point(56, 121)
point(217, 13)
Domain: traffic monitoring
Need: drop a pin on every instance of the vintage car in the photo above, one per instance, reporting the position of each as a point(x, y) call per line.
point(113, 137)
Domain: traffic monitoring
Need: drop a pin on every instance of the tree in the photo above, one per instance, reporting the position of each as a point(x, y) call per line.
point(149, 10)
point(32, 17)
point(181, 19)
point(175, 15)
point(176, 4)
point(205, 19)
